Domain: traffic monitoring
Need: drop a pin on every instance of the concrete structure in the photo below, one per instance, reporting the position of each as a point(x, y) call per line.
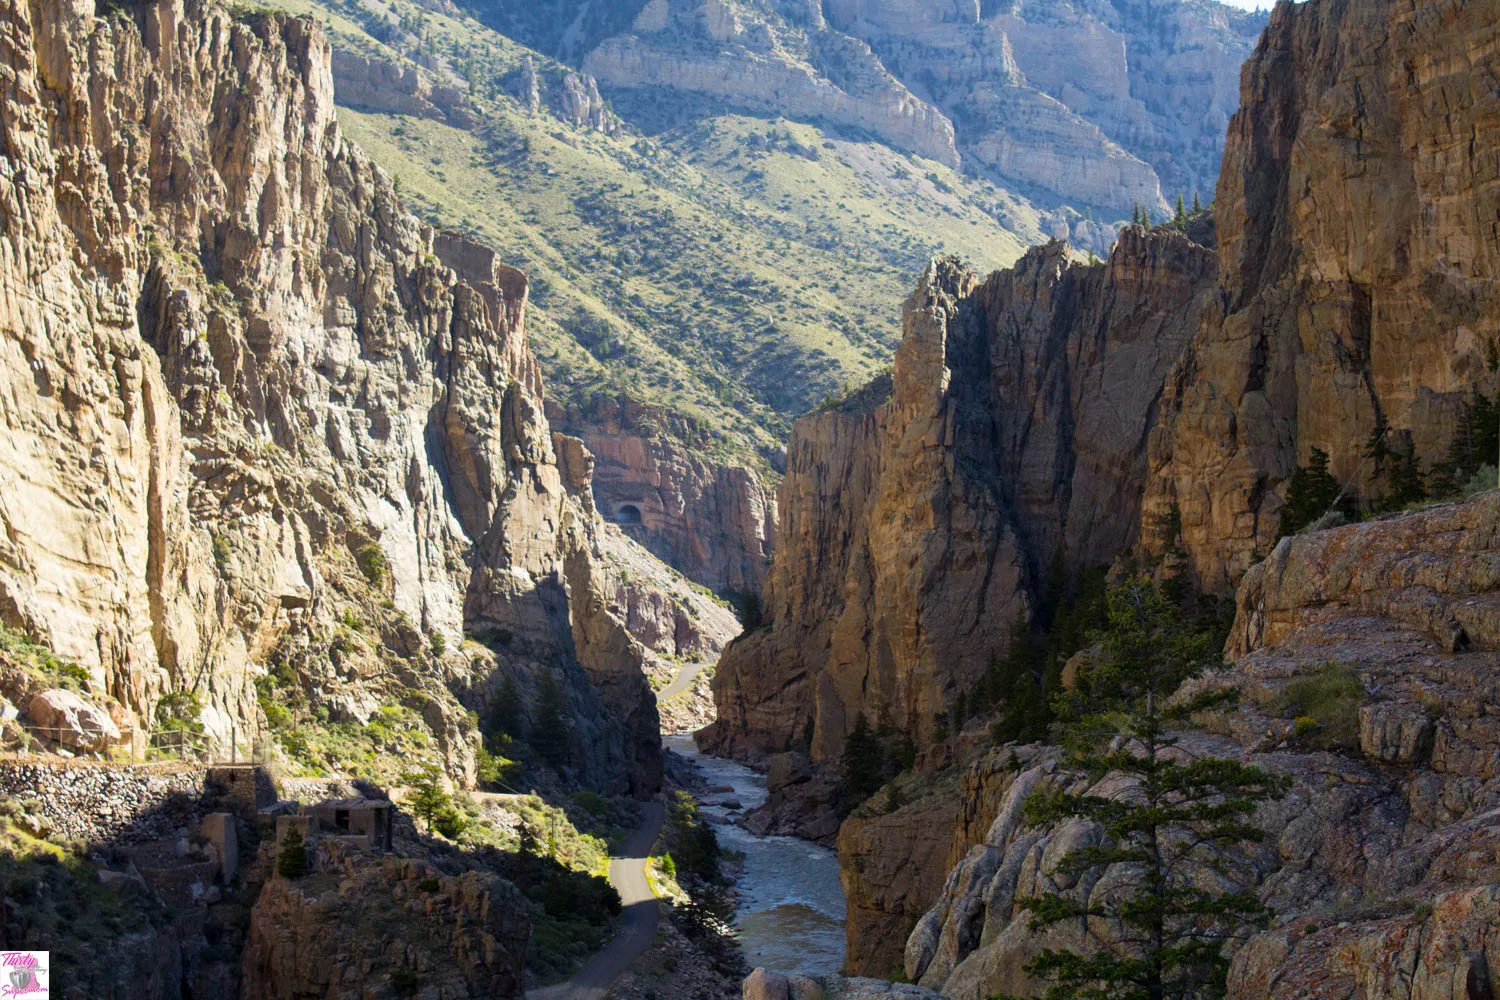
point(219, 829)
point(353, 819)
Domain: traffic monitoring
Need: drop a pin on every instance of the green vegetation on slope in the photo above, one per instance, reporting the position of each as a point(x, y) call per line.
point(735, 269)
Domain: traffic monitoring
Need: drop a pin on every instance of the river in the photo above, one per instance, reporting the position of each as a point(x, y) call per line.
point(791, 914)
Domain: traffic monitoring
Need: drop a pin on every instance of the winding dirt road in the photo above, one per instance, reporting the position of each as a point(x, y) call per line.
point(627, 873)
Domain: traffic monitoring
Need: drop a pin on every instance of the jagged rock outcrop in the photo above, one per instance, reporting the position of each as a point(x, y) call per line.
point(918, 517)
point(1102, 102)
point(1315, 329)
point(1380, 862)
point(379, 85)
point(715, 523)
point(1358, 248)
point(386, 927)
point(250, 401)
point(1298, 344)
point(893, 863)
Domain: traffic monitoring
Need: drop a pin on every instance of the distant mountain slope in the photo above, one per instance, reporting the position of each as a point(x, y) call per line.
point(1083, 102)
point(693, 289)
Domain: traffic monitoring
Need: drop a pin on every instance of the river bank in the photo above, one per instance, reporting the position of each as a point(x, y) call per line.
point(790, 911)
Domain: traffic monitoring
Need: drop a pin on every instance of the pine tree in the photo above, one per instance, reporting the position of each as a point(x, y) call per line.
point(549, 733)
point(424, 793)
point(1197, 203)
point(1180, 216)
point(1408, 486)
point(505, 714)
point(1377, 449)
point(862, 764)
point(1311, 493)
point(292, 860)
point(1169, 832)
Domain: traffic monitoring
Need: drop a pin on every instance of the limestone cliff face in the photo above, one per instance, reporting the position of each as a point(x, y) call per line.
point(716, 523)
point(917, 518)
point(1096, 102)
point(1356, 217)
point(248, 396)
point(745, 54)
point(1402, 816)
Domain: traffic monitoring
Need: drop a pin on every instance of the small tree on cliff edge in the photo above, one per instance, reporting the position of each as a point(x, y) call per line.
point(425, 795)
point(1170, 830)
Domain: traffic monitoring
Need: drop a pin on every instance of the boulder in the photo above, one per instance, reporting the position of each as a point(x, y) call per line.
point(786, 769)
point(763, 985)
point(72, 720)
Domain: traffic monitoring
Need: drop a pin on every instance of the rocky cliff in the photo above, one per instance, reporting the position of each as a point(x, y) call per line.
point(1358, 250)
point(1095, 102)
point(1353, 290)
point(258, 415)
point(1379, 864)
point(714, 521)
point(1069, 391)
point(918, 517)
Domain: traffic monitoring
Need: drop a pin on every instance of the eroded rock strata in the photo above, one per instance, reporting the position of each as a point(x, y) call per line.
point(1353, 287)
point(1380, 861)
point(918, 516)
point(1359, 251)
point(256, 413)
point(1095, 103)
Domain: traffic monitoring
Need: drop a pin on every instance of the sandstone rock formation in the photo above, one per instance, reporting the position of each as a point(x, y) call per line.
point(738, 53)
point(1355, 286)
point(1096, 103)
point(1379, 863)
point(379, 85)
point(714, 522)
point(918, 518)
point(1105, 103)
point(1358, 257)
point(251, 398)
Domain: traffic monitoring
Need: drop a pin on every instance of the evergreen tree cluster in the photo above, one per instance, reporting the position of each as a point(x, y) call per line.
point(1398, 476)
point(1021, 684)
point(1311, 493)
point(697, 862)
point(872, 756)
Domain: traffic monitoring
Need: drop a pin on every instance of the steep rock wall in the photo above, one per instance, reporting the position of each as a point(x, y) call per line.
point(1379, 863)
point(715, 523)
point(917, 517)
point(1359, 245)
point(249, 396)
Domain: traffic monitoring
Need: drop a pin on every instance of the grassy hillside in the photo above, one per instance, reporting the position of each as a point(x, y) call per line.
point(733, 268)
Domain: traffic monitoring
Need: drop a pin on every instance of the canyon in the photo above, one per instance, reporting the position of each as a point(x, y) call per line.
point(1151, 411)
point(283, 485)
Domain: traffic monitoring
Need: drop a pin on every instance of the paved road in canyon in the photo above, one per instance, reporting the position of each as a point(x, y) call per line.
point(682, 681)
point(627, 873)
